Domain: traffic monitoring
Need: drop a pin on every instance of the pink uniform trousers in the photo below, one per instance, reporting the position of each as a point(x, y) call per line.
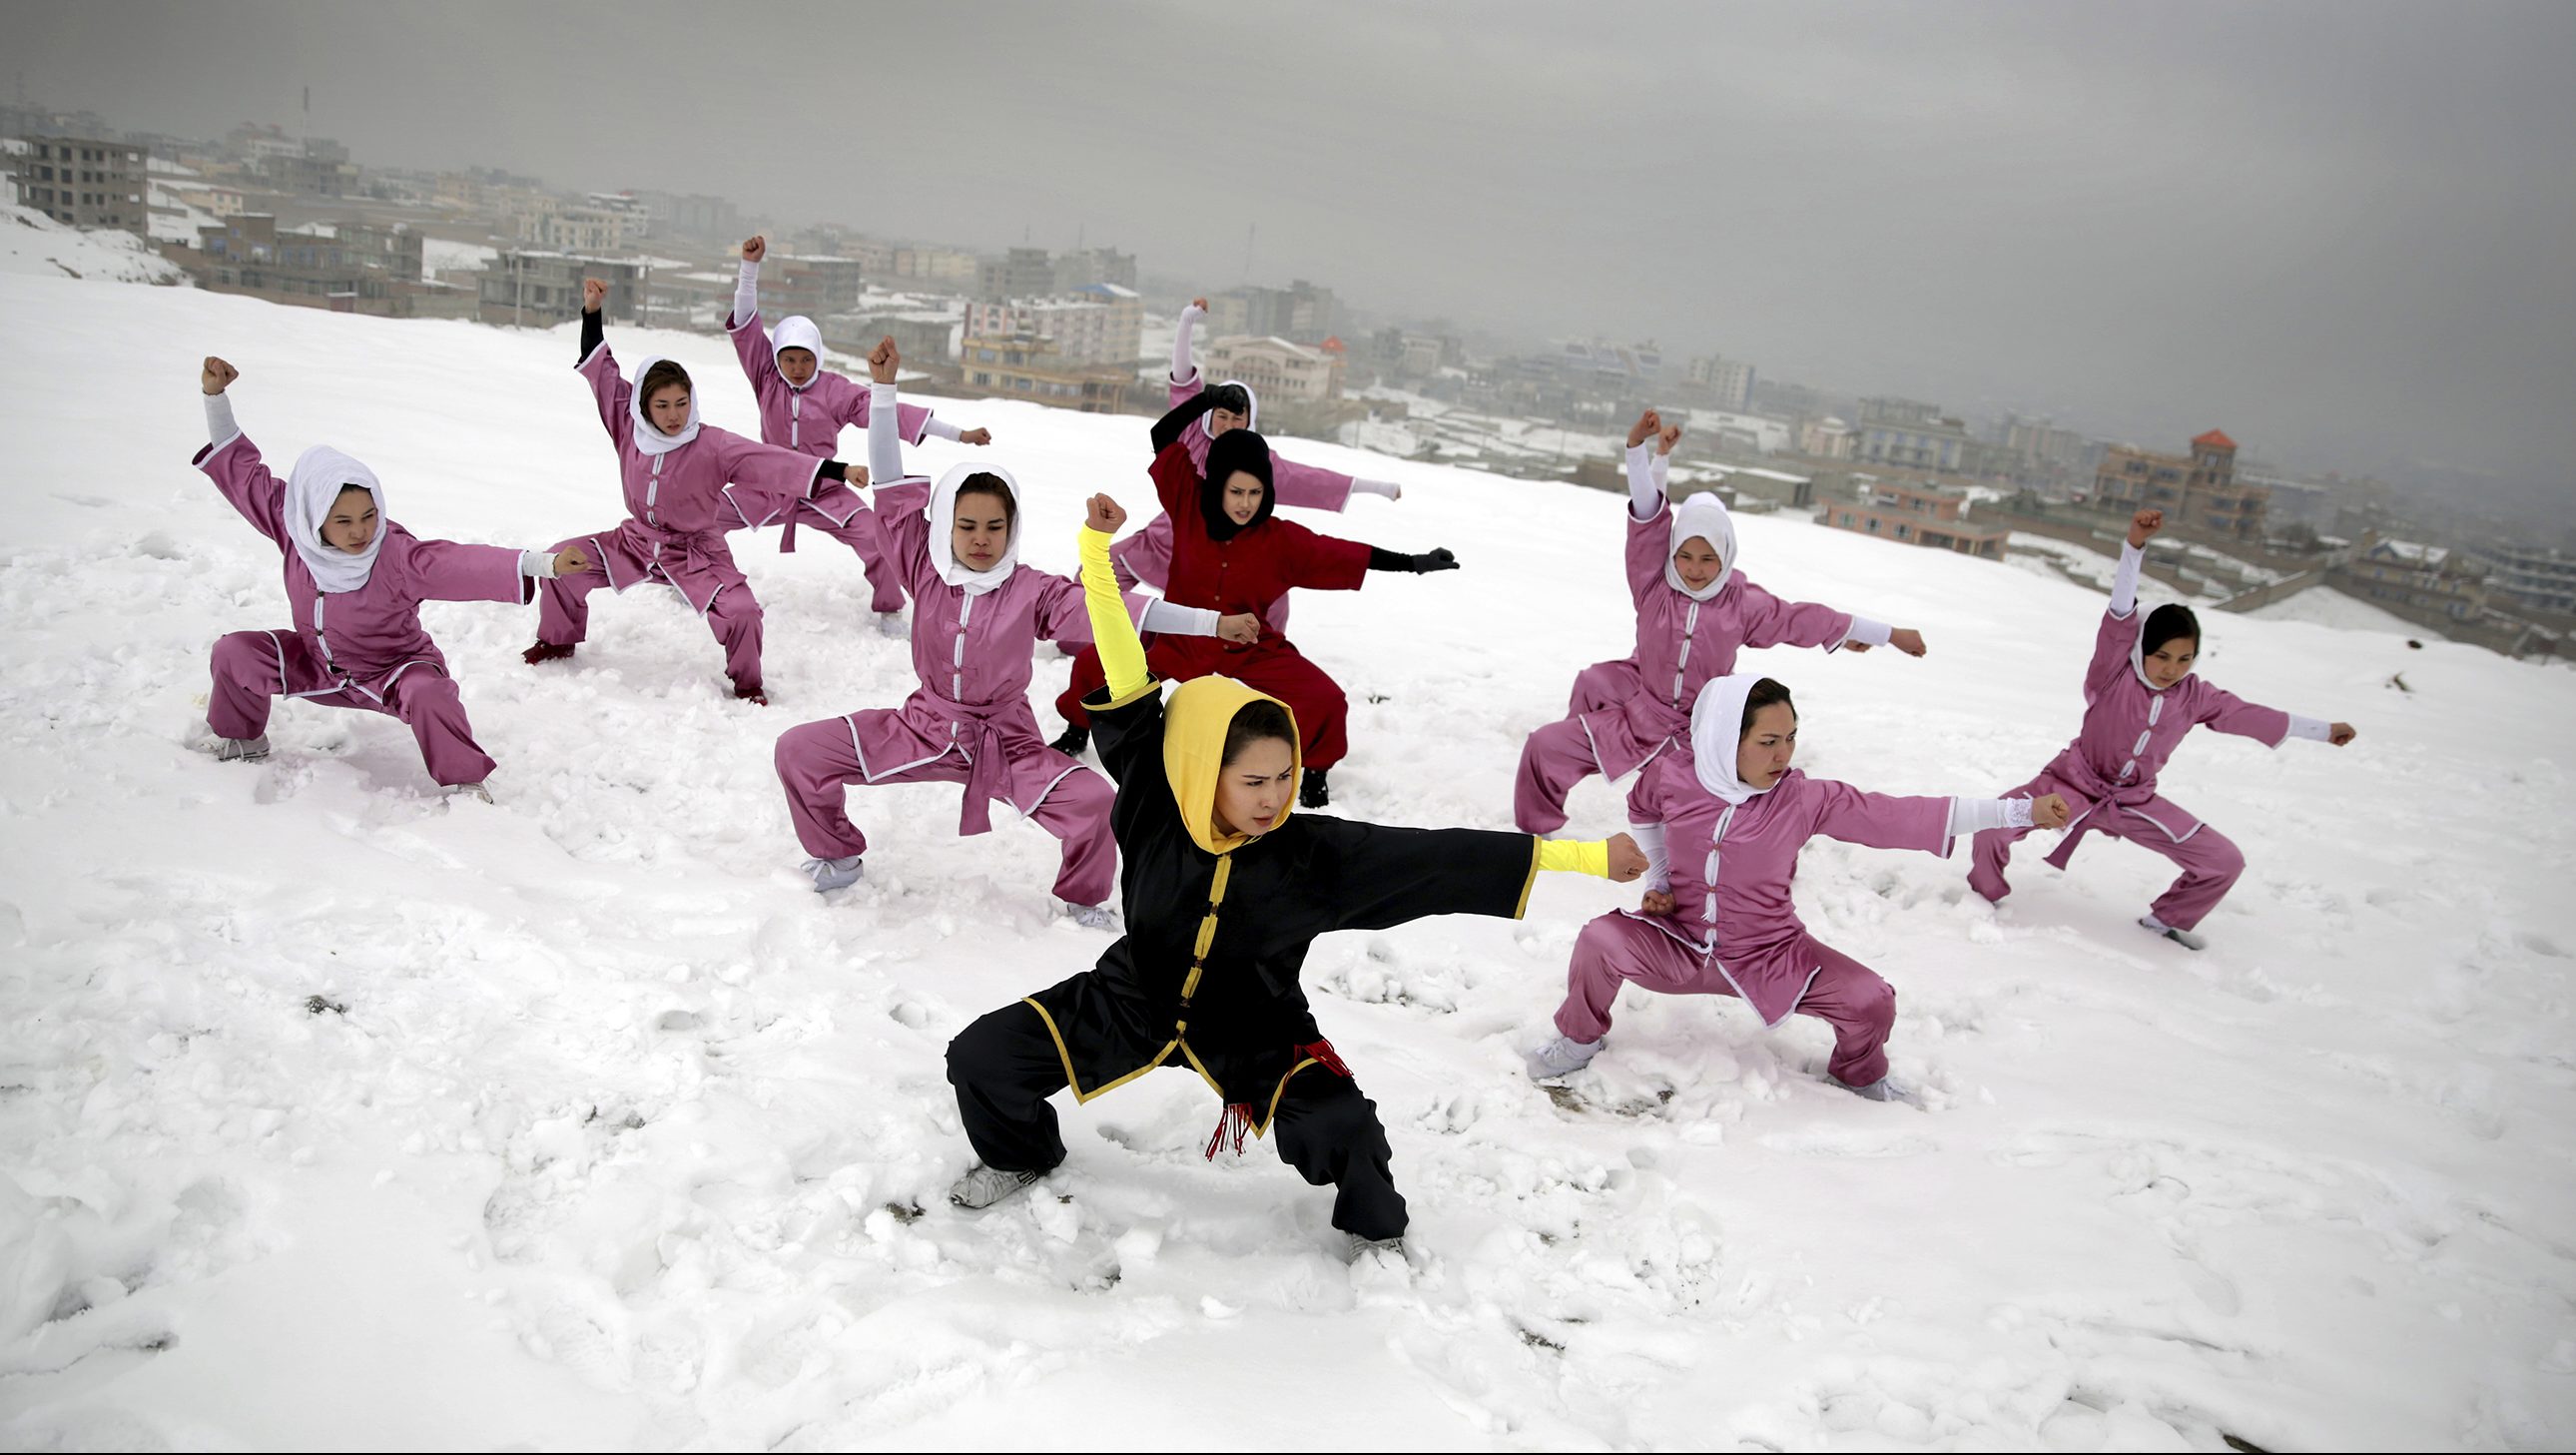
point(1618, 948)
point(818, 761)
point(2210, 861)
point(253, 668)
point(563, 615)
point(1562, 754)
point(885, 584)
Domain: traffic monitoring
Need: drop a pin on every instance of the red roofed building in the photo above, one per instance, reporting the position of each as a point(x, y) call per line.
point(2198, 491)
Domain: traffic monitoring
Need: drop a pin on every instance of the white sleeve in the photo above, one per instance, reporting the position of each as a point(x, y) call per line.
point(1182, 366)
point(1868, 632)
point(1173, 620)
point(938, 428)
point(2315, 730)
point(1979, 815)
point(885, 436)
point(1659, 860)
point(746, 294)
point(220, 428)
point(1645, 482)
point(540, 564)
point(2124, 585)
point(1387, 488)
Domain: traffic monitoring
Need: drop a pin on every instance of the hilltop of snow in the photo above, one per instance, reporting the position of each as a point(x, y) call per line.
point(332, 1115)
point(32, 243)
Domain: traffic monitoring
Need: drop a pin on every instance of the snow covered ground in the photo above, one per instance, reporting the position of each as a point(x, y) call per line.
point(2325, 606)
point(32, 243)
point(332, 1116)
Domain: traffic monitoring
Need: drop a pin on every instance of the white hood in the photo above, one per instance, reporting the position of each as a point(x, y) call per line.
point(1251, 416)
point(320, 474)
point(2138, 655)
point(798, 332)
point(648, 439)
point(1716, 727)
point(1705, 516)
point(942, 510)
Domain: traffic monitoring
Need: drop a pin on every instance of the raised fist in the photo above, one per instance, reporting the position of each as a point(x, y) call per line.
point(1104, 515)
point(1648, 425)
point(217, 376)
point(594, 292)
point(754, 248)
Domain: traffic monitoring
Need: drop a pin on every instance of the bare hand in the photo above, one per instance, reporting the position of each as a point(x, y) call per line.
point(1627, 861)
point(754, 248)
point(1243, 626)
point(2048, 811)
point(571, 562)
point(974, 437)
point(1648, 425)
point(217, 376)
point(883, 359)
point(1667, 437)
point(1105, 516)
point(594, 292)
point(1200, 304)
point(1907, 640)
point(2340, 734)
point(2144, 525)
point(1657, 901)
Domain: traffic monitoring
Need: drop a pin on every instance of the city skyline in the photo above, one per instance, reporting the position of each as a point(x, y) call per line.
point(2327, 230)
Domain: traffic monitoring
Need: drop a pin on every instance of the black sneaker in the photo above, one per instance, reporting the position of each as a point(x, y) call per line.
point(1075, 739)
point(1313, 793)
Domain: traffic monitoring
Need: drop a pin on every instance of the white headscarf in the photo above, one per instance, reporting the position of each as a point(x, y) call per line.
point(1705, 516)
point(648, 439)
point(1251, 415)
point(1716, 727)
point(942, 510)
point(2138, 654)
point(798, 332)
point(320, 474)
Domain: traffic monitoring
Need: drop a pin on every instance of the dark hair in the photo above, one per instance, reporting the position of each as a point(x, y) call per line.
point(1232, 398)
point(345, 489)
point(1253, 722)
point(2166, 622)
point(1764, 694)
point(985, 482)
point(663, 373)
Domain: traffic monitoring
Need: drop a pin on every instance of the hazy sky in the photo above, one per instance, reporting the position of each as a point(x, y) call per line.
point(2346, 232)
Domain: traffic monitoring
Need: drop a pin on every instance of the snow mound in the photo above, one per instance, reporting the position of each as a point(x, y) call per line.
point(327, 1109)
point(32, 243)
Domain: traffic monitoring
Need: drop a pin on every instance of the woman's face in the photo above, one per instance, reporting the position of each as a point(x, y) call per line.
point(1221, 420)
point(2171, 663)
point(1763, 753)
point(1243, 492)
point(668, 408)
point(1698, 563)
point(796, 365)
point(1252, 791)
point(981, 532)
point(352, 521)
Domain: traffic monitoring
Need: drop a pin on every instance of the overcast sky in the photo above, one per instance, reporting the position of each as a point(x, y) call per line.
point(2345, 232)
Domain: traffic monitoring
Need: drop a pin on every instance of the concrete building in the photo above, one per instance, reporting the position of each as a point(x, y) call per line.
point(1024, 367)
point(85, 182)
point(813, 284)
point(1019, 273)
point(2199, 490)
point(1728, 381)
point(2429, 584)
point(348, 267)
point(946, 269)
point(1084, 267)
point(2038, 444)
point(1302, 312)
point(2535, 578)
point(541, 288)
point(1100, 323)
point(1276, 368)
point(691, 215)
point(1827, 438)
point(1917, 515)
point(1910, 433)
point(923, 334)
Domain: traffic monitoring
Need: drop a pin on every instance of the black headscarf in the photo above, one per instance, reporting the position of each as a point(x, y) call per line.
point(1236, 449)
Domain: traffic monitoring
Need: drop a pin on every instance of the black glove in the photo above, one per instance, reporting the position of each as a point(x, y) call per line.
point(1439, 560)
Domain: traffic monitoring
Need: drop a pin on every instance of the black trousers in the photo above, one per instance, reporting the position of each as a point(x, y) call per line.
point(1006, 1065)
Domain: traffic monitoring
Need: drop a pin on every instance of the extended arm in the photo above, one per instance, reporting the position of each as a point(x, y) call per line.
point(1184, 369)
point(1167, 430)
point(232, 461)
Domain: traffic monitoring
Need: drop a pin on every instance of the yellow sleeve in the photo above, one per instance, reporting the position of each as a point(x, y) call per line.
point(1122, 656)
point(1569, 857)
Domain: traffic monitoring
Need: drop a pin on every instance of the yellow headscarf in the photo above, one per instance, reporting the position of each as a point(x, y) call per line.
point(1195, 720)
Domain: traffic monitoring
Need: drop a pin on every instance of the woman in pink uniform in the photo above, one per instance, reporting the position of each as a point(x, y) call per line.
point(675, 472)
point(1726, 821)
point(1695, 611)
point(803, 407)
point(354, 584)
point(2140, 698)
point(977, 615)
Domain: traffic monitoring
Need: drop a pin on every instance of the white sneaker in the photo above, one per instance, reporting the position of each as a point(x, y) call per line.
point(466, 790)
point(1090, 916)
point(984, 1186)
point(834, 873)
point(1361, 1248)
point(1885, 1088)
point(1561, 1057)
point(2185, 938)
point(235, 750)
point(894, 624)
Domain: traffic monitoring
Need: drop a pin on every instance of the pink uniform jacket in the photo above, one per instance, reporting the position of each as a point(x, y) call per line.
point(2130, 729)
point(1732, 868)
point(808, 419)
point(364, 639)
point(1682, 643)
point(673, 499)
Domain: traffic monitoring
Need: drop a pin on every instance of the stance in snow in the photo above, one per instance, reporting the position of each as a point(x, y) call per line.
point(354, 584)
point(978, 613)
point(2140, 698)
point(803, 407)
point(675, 472)
point(1695, 611)
point(1728, 819)
point(1224, 890)
point(1146, 556)
point(1231, 562)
